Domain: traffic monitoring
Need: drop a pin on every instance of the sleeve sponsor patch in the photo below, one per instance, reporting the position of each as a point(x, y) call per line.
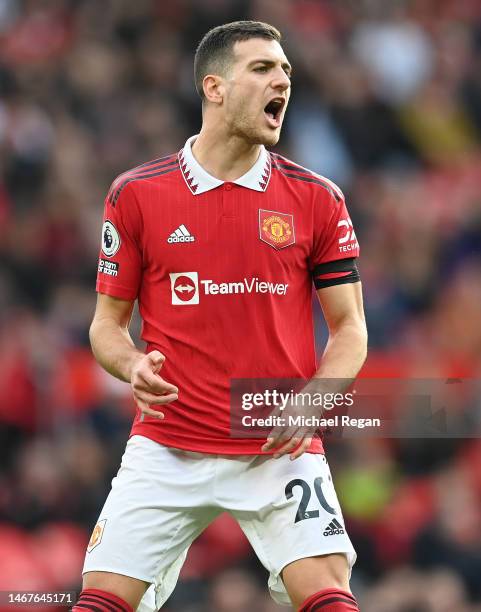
point(347, 241)
point(110, 268)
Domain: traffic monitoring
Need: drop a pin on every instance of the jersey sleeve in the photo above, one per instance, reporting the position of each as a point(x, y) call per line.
point(120, 260)
point(335, 246)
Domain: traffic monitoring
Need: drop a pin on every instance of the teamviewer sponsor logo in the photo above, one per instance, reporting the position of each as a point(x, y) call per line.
point(185, 288)
point(247, 285)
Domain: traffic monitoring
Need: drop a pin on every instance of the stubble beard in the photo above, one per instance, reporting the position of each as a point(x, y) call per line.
point(246, 129)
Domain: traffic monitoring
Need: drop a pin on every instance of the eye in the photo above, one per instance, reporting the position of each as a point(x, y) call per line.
point(261, 69)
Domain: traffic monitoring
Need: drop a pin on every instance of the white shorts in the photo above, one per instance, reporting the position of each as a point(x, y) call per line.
point(163, 498)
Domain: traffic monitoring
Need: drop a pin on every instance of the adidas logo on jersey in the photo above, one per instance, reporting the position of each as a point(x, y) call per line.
point(334, 528)
point(181, 234)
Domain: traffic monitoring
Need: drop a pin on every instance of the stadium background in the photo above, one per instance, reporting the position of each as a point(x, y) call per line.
point(386, 102)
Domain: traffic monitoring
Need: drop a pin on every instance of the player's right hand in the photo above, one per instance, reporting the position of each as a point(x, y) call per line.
point(148, 387)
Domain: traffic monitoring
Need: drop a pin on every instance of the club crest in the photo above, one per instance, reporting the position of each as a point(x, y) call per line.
point(97, 534)
point(276, 228)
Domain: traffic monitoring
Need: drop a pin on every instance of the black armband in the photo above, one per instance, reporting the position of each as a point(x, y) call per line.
point(336, 272)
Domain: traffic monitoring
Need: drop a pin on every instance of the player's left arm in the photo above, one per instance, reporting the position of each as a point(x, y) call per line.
point(343, 357)
point(346, 348)
point(332, 262)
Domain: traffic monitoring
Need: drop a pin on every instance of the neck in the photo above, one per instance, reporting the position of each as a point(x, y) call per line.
point(227, 157)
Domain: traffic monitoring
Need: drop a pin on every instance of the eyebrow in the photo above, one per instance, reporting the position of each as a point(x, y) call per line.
point(270, 63)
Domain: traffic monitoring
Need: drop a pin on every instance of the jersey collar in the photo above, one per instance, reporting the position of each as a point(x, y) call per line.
point(199, 180)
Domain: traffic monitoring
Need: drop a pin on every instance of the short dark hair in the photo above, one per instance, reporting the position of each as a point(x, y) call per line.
point(214, 51)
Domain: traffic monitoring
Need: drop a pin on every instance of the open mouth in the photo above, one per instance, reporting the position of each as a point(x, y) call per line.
point(273, 111)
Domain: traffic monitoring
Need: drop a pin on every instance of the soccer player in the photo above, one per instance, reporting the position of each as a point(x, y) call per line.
point(220, 244)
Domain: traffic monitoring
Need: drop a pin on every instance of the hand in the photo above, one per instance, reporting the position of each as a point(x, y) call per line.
point(289, 441)
point(150, 388)
point(292, 439)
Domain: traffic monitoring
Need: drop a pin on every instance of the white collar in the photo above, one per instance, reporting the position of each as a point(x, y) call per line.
point(199, 180)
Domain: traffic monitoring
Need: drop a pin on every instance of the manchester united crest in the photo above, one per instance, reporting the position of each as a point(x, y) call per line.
point(276, 228)
point(97, 534)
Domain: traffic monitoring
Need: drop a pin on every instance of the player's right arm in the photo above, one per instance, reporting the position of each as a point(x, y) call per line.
point(116, 352)
point(118, 285)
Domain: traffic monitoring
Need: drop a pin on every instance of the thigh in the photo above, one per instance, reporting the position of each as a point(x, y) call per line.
point(129, 589)
point(152, 514)
point(304, 577)
point(297, 515)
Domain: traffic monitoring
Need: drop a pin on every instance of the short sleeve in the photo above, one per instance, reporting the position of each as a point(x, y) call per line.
point(335, 246)
point(120, 260)
point(334, 236)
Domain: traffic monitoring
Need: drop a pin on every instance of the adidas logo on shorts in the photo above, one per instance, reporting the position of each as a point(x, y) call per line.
point(181, 234)
point(334, 528)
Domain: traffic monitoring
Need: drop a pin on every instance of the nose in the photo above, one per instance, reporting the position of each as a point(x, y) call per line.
point(281, 80)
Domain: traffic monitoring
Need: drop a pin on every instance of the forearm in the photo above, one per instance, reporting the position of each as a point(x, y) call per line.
point(342, 359)
point(113, 348)
point(345, 352)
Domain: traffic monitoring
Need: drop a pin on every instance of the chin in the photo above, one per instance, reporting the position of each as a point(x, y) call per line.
point(268, 138)
point(263, 136)
point(272, 139)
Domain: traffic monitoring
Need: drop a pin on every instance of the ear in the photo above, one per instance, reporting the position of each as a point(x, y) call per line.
point(214, 88)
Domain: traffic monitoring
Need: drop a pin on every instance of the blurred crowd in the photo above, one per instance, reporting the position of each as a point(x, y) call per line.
point(386, 102)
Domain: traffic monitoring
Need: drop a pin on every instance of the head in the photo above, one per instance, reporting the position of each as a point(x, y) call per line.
point(243, 78)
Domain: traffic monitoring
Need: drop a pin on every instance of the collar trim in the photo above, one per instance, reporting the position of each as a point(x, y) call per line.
point(199, 180)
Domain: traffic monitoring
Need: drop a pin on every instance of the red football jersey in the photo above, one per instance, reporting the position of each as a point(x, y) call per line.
point(223, 275)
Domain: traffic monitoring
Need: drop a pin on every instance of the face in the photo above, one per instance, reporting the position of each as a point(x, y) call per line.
point(256, 91)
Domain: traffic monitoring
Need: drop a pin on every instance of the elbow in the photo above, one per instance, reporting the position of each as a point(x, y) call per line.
point(364, 347)
point(92, 336)
point(362, 340)
point(354, 335)
point(93, 333)
point(362, 331)
point(358, 341)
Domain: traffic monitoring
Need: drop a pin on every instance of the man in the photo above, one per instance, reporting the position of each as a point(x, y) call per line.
point(220, 244)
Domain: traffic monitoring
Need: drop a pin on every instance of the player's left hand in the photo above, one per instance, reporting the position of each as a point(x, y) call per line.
point(295, 443)
point(289, 439)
